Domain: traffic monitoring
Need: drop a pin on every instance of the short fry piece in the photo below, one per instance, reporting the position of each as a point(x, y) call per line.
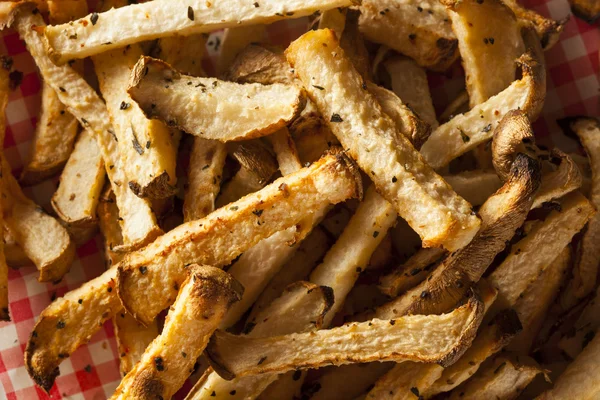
point(205, 296)
point(401, 176)
point(210, 108)
point(148, 278)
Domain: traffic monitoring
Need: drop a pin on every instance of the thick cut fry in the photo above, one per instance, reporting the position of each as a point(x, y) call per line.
point(43, 239)
point(138, 222)
point(417, 193)
point(14, 254)
point(409, 82)
point(433, 338)
point(504, 378)
point(145, 146)
point(466, 131)
point(588, 10)
point(488, 46)
point(501, 214)
point(141, 22)
point(539, 248)
point(56, 129)
point(234, 41)
point(205, 297)
point(532, 307)
point(147, 277)
point(405, 381)
point(210, 108)
point(301, 308)
point(420, 30)
point(349, 256)
point(475, 186)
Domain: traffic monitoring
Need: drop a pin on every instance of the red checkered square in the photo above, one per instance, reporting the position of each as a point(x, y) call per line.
point(20, 310)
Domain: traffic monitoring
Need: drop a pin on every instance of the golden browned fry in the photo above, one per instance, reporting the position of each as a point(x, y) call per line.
point(466, 131)
point(401, 176)
point(409, 82)
point(536, 251)
point(547, 30)
point(301, 308)
point(406, 380)
point(588, 10)
point(234, 41)
point(146, 149)
point(190, 103)
point(140, 22)
point(412, 272)
point(184, 53)
point(108, 221)
point(56, 129)
point(501, 214)
point(205, 296)
point(532, 307)
point(147, 278)
point(504, 378)
point(334, 19)
point(488, 46)
point(66, 324)
point(420, 30)
point(14, 254)
point(475, 186)
point(432, 338)
point(138, 222)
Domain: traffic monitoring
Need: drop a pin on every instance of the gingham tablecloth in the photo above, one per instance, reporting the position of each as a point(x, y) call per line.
point(92, 372)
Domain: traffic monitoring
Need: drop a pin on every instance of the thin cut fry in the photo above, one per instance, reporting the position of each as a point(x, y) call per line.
point(504, 378)
point(285, 151)
point(301, 308)
point(140, 22)
point(146, 149)
point(464, 132)
point(138, 223)
point(501, 214)
point(205, 296)
point(488, 46)
point(209, 108)
point(552, 235)
point(418, 194)
point(423, 33)
point(108, 221)
point(235, 40)
point(433, 338)
point(147, 278)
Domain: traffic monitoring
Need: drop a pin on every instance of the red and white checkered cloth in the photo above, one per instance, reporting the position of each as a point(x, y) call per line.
point(92, 372)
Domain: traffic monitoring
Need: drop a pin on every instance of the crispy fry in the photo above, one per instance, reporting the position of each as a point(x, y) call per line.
point(397, 170)
point(301, 308)
point(488, 46)
point(349, 256)
point(504, 378)
point(234, 41)
point(409, 82)
point(146, 150)
point(588, 10)
point(464, 132)
point(511, 278)
point(404, 339)
point(331, 180)
point(202, 115)
point(205, 296)
point(501, 214)
point(475, 186)
point(139, 224)
point(139, 22)
point(424, 34)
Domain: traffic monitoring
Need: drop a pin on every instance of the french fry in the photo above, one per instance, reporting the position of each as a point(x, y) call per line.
point(139, 224)
point(488, 46)
point(285, 151)
point(464, 132)
point(348, 381)
point(146, 150)
point(334, 19)
point(147, 278)
point(403, 339)
point(234, 41)
point(532, 307)
point(108, 221)
point(584, 329)
point(354, 46)
point(512, 136)
point(547, 30)
point(259, 64)
point(552, 235)
point(501, 214)
point(301, 308)
point(585, 271)
point(424, 34)
point(505, 378)
point(251, 110)
point(349, 256)
point(57, 129)
point(14, 254)
point(587, 10)
point(406, 380)
point(396, 168)
point(409, 82)
point(475, 186)
point(184, 53)
point(459, 105)
point(205, 296)
point(185, 17)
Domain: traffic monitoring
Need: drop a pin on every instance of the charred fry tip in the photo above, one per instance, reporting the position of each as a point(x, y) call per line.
point(344, 159)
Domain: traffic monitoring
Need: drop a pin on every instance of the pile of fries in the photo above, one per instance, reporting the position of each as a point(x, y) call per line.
point(332, 237)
